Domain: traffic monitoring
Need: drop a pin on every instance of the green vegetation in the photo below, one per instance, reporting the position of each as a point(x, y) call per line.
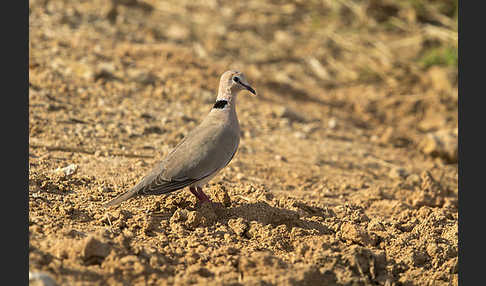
point(439, 56)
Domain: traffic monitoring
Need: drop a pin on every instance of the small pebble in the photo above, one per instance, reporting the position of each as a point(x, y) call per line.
point(332, 123)
point(280, 158)
point(398, 173)
point(67, 171)
point(41, 279)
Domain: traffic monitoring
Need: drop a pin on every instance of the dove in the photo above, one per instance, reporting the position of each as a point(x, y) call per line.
point(201, 154)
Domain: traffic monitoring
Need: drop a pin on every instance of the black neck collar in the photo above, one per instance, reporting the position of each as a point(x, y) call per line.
point(220, 104)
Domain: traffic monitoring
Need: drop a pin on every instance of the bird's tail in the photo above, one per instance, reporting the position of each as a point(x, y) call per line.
point(123, 197)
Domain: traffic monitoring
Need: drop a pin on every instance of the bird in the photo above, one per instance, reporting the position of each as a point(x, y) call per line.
point(202, 153)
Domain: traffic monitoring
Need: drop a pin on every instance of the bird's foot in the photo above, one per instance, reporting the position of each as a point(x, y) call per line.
point(200, 195)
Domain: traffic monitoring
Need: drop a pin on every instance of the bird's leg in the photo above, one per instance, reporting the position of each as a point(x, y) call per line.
point(194, 192)
point(202, 196)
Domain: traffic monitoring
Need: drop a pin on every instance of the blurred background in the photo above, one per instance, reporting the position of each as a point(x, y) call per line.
point(391, 65)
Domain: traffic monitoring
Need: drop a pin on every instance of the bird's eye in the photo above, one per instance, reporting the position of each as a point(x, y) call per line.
point(236, 79)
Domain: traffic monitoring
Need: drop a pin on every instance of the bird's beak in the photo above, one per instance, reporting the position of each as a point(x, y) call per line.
point(248, 87)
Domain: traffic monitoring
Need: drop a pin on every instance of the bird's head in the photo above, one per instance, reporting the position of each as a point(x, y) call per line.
point(233, 82)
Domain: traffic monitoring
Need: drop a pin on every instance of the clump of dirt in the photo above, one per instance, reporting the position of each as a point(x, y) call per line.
point(346, 172)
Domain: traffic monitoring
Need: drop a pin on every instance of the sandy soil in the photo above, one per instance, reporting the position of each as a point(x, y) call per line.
point(347, 168)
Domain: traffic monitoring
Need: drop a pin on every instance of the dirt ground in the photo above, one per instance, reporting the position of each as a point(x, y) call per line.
point(346, 172)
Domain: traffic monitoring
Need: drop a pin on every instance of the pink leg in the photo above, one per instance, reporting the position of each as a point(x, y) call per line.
point(194, 192)
point(202, 196)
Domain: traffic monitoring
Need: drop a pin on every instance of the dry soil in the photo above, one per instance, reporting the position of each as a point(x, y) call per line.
point(346, 172)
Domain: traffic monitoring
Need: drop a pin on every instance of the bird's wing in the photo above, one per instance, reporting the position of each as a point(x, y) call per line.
point(207, 149)
point(152, 184)
point(160, 186)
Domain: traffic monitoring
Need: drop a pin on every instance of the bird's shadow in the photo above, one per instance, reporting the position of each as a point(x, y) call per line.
point(266, 214)
point(262, 213)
